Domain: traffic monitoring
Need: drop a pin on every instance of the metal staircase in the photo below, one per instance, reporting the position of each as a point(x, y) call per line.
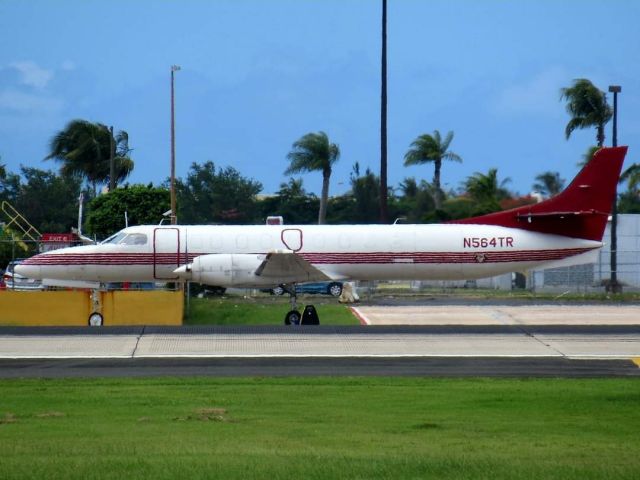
point(16, 222)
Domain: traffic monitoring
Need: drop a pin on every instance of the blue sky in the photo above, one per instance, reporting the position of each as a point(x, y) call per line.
point(257, 75)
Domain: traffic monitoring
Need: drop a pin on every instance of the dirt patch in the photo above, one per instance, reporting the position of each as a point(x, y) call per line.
point(214, 414)
point(50, 415)
point(8, 418)
point(428, 426)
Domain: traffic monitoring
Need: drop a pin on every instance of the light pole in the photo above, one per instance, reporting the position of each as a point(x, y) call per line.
point(384, 201)
point(174, 68)
point(615, 287)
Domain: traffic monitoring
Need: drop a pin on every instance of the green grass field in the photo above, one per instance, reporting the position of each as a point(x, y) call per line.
point(232, 310)
point(320, 428)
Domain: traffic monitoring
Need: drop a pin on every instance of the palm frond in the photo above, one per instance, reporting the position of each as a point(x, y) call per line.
point(586, 104)
point(312, 152)
point(632, 176)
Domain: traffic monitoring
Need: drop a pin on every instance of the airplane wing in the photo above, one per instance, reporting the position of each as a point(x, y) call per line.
point(287, 264)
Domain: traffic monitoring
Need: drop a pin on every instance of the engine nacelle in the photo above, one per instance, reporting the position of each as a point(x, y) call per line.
point(228, 270)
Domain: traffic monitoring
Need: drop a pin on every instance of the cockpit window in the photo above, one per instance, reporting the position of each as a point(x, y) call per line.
point(115, 238)
point(134, 239)
point(123, 238)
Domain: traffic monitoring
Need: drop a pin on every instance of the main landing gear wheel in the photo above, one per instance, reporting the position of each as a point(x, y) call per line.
point(95, 320)
point(292, 318)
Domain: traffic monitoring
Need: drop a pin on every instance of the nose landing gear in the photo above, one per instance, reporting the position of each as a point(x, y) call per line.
point(293, 316)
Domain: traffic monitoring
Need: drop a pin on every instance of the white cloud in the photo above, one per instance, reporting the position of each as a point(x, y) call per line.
point(31, 74)
point(27, 102)
point(540, 95)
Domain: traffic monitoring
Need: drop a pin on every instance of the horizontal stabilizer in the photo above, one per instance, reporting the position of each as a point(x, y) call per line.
point(560, 215)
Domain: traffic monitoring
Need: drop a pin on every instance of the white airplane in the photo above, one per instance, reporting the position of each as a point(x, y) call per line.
point(560, 231)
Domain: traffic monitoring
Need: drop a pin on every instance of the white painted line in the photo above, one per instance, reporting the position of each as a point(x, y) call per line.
point(572, 357)
point(61, 357)
point(345, 355)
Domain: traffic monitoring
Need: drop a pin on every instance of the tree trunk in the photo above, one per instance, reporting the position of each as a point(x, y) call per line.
point(600, 135)
point(324, 197)
point(436, 184)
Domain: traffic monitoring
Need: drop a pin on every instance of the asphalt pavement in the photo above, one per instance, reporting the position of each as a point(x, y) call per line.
point(431, 350)
point(338, 367)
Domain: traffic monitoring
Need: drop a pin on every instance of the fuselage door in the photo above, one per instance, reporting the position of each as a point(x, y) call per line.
point(292, 238)
point(166, 253)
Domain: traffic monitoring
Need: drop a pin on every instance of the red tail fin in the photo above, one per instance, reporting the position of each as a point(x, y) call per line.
point(580, 211)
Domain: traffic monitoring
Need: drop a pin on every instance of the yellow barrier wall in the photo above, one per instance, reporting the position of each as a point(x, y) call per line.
point(142, 308)
point(44, 308)
point(72, 308)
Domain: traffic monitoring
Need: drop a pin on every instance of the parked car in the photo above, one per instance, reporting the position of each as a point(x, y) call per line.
point(323, 288)
point(15, 281)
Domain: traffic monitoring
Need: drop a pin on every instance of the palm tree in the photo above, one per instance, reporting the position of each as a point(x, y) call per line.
point(588, 155)
point(486, 191)
point(587, 106)
point(409, 187)
point(431, 148)
point(83, 148)
point(549, 184)
point(313, 152)
point(630, 200)
point(632, 176)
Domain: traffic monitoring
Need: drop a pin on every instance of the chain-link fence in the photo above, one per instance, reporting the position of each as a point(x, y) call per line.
point(591, 277)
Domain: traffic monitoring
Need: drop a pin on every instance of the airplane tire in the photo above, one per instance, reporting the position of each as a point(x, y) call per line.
point(95, 320)
point(277, 290)
point(335, 289)
point(292, 318)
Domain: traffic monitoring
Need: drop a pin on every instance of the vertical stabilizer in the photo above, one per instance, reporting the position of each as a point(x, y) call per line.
point(580, 211)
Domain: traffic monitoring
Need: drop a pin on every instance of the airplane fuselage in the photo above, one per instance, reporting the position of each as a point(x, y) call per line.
point(231, 255)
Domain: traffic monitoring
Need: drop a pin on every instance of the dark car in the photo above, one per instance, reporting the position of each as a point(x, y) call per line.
point(322, 288)
point(15, 281)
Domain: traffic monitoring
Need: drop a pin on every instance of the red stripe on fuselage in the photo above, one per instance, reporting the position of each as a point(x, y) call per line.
point(398, 258)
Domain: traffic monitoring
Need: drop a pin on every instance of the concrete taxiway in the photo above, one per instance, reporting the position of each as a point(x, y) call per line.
point(585, 341)
point(499, 314)
point(545, 349)
point(437, 339)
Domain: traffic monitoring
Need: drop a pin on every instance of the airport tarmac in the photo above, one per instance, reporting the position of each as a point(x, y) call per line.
point(499, 314)
point(584, 340)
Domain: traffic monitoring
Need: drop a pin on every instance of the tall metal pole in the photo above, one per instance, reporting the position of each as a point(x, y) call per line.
point(615, 286)
point(174, 68)
point(384, 213)
point(112, 162)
